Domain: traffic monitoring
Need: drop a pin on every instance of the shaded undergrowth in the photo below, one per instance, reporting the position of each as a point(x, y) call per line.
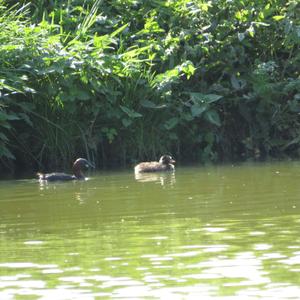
point(120, 81)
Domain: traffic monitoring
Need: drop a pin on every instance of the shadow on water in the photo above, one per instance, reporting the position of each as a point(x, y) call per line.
point(209, 231)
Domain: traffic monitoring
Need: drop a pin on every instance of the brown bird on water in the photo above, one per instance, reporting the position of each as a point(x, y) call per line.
point(165, 163)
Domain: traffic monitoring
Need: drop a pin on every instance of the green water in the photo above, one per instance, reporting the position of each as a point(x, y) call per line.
point(227, 232)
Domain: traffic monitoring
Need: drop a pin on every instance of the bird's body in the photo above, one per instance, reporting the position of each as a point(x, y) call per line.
point(57, 177)
point(166, 163)
point(78, 165)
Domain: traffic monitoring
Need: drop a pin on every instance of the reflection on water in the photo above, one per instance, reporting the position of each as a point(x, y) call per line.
point(159, 177)
point(227, 232)
point(80, 191)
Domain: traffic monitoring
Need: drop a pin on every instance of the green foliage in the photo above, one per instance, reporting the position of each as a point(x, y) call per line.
point(119, 81)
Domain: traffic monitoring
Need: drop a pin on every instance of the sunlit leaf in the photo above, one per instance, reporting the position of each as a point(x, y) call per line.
point(251, 31)
point(188, 68)
point(278, 18)
point(119, 30)
point(238, 15)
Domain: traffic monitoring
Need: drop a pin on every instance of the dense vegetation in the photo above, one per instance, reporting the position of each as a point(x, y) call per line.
point(122, 80)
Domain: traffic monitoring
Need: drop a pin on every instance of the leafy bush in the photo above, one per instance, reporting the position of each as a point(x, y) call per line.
point(120, 81)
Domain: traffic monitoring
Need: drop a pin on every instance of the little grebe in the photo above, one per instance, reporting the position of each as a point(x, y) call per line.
point(79, 164)
point(166, 163)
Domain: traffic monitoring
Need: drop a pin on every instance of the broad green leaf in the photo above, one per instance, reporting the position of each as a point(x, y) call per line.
point(6, 125)
point(5, 116)
point(187, 116)
point(12, 117)
point(26, 118)
point(5, 152)
point(126, 122)
point(188, 68)
point(171, 123)
point(204, 98)
point(3, 137)
point(236, 83)
point(197, 110)
point(131, 113)
point(150, 104)
point(213, 117)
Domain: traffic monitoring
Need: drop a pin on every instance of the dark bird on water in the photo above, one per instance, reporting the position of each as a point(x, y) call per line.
point(79, 165)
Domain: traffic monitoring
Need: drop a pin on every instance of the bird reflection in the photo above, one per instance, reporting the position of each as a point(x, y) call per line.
point(76, 189)
point(161, 178)
point(45, 185)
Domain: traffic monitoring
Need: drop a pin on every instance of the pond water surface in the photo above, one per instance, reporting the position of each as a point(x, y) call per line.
point(226, 232)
